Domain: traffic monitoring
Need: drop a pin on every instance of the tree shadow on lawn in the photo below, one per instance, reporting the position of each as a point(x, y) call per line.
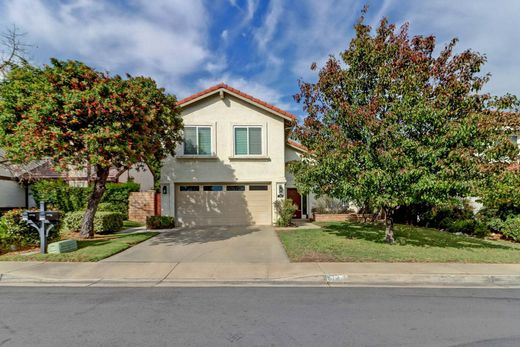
point(408, 235)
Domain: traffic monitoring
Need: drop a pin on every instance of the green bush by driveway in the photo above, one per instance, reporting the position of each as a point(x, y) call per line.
point(160, 222)
point(351, 242)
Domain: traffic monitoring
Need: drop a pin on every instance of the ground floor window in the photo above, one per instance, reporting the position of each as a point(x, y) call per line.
point(189, 188)
point(235, 188)
point(213, 188)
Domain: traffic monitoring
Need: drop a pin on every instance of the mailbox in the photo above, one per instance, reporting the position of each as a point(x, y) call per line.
point(43, 221)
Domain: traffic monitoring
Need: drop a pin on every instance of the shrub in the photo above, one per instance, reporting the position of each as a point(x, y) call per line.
point(465, 226)
point(511, 228)
point(104, 222)
point(468, 226)
point(16, 232)
point(285, 210)
point(59, 195)
point(107, 207)
point(444, 216)
point(495, 224)
point(117, 194)
point(160, 222)
point(328, 205)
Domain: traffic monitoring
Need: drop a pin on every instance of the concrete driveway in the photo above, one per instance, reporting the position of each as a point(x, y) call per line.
point(226, 244)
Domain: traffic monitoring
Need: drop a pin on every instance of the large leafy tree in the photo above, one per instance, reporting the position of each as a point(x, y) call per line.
point(79, 117)
point(392, 123)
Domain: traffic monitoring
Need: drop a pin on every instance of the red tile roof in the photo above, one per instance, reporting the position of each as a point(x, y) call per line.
point(297, 145)
point(232, 90)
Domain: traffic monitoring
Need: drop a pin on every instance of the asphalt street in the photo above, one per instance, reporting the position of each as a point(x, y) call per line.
point(52, 316)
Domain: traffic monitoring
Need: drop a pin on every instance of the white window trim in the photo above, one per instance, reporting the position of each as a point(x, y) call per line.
point(213, 151)
point(263, 128)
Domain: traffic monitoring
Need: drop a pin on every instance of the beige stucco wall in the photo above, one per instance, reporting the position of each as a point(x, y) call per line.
point(143, 176)
point(291, 154)
point(222, 115)
point(11, 194)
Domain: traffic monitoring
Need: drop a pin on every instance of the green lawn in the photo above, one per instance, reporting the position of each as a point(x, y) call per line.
point(88, 250)
point(351, 242)
point(131, 224)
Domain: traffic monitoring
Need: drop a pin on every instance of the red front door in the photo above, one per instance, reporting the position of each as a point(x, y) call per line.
point(293, 194)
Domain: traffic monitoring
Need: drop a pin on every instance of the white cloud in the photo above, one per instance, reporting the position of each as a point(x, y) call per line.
point(264, 35)
point(319, 29)
point(224, 34)
point(164, 39)
point(485, 26)
point(252, 5)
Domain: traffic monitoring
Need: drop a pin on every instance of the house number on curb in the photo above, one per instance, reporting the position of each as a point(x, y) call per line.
point(335, 278)
point(46, 219)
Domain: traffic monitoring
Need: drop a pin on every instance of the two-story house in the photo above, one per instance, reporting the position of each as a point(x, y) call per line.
point(231, 166)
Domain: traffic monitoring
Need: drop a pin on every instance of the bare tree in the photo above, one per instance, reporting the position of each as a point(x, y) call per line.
point(12, 49)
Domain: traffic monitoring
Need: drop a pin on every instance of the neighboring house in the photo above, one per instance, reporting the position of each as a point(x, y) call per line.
point(15, 180)
point(12, 194)
point(231, 166)
point(138, 173)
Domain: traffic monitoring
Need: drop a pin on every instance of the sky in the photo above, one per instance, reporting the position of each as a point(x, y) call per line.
point(262, 47)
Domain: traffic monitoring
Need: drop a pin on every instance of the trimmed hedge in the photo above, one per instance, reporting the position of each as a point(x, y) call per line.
point(15, 232)
point(104, 222)
point(117, 195)
point(58, 194)
point(160, 222)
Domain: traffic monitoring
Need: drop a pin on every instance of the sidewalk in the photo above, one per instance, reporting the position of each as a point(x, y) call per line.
point(152, 274)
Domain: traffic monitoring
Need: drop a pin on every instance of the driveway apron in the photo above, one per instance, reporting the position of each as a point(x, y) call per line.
point(223, 244)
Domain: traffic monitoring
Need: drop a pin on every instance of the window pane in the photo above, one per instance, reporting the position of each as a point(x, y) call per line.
point(257, 187)
point(236, 188)
point(241, 141)
point(205, 141)
point(213, 188)
point(190, 140)
point(255, 140)
point(514, 139)
point(189, 188)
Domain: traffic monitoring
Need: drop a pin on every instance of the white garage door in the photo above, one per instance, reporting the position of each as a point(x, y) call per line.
point(223, 204)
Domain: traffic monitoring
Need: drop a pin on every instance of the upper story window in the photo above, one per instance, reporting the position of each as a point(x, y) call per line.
point(514, 139)
point(248, 140)
point(197, 140)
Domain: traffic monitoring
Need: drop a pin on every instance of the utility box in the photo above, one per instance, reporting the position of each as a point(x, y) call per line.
point(64, 246)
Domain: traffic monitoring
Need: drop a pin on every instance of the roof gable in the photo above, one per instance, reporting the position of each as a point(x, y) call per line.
point(296, 145)
point(222, 87)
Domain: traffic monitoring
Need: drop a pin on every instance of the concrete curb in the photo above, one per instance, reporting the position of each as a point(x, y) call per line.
point(335, 280)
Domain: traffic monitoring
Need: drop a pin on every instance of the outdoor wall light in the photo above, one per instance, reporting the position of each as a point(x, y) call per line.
point(281, 191)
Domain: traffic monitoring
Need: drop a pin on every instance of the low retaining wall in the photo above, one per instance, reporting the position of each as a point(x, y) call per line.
point(340, 217)
point(141, 205)
point(320, 217)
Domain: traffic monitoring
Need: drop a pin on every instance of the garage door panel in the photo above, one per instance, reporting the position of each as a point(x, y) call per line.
point(197, 208)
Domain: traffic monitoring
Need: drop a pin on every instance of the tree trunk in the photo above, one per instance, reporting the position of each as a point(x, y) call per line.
point(389, 223)
point(87, 226)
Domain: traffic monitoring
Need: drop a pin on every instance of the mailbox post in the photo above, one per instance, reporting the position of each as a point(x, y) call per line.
point(45, 220)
